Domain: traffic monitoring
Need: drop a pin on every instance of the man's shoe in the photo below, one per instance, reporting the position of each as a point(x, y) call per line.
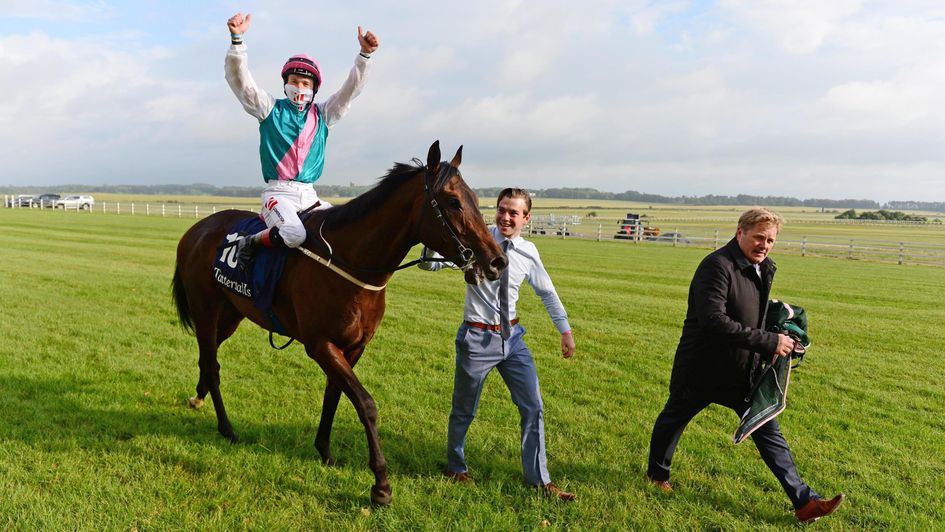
point(459, 477)
point(663, 485)
point(552, 489)
point(817, 508)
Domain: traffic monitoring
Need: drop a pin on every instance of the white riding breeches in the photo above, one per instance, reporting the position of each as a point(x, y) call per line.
point(281, 203)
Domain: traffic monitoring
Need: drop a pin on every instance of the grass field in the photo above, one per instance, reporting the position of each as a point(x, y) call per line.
point(95, 371)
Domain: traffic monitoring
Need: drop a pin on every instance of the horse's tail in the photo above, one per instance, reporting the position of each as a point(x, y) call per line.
point(180, 301)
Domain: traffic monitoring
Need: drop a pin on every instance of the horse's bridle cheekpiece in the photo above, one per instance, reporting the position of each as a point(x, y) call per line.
point(467, 256)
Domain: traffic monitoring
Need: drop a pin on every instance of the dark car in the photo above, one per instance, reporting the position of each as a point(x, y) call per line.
point(46, 200)
point(671, 236)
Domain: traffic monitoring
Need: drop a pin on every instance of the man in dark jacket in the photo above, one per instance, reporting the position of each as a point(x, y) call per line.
point(719, 355)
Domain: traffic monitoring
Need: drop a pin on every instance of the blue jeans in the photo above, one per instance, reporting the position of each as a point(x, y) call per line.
point(477, 352)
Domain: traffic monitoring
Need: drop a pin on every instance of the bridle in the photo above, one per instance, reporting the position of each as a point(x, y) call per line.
point(466, 256)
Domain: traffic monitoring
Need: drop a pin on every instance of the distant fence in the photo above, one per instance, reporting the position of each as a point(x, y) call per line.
point(168, 210)
point(836, 246)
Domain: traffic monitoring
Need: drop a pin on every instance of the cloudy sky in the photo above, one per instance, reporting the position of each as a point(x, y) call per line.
point(804, 98)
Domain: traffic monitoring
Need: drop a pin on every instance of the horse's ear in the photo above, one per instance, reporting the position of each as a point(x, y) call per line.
point(433, 157)
point(458, 158)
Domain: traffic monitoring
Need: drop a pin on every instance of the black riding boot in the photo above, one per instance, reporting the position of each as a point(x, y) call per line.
point(246, 246)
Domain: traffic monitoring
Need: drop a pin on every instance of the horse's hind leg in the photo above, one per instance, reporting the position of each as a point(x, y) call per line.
point(210, 334)
point(329, 407)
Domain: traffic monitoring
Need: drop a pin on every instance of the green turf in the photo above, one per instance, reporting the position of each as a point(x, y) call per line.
point(94, 373)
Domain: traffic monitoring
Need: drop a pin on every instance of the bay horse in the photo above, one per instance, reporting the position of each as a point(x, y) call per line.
point(335, 316)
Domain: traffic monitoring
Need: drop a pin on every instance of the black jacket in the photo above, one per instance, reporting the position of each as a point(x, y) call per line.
point(723, 337)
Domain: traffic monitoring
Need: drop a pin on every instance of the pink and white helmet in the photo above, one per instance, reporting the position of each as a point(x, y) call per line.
point(302, 65)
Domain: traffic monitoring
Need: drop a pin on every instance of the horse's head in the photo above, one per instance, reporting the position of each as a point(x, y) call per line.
point(455, 227)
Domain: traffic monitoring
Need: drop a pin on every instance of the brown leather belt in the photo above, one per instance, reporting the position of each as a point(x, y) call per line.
point(488, 326)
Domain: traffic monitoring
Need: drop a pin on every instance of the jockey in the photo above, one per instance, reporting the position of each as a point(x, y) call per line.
point(293, 132)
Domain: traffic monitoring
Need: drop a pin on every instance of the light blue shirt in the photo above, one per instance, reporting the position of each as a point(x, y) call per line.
point(482, 300)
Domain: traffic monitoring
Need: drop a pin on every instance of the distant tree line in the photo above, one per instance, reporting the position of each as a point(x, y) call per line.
point(936, 206)
point(881, 214)
point(351, 190)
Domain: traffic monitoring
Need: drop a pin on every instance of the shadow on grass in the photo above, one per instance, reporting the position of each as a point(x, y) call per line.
point(65, 414)
point(60, 415)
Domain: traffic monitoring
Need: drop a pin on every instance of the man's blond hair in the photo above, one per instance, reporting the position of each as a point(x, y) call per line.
point(759, 215)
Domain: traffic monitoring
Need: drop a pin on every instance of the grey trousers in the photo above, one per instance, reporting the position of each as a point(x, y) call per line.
point(477, 352)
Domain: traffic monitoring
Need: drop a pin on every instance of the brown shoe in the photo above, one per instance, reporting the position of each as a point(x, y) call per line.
point(817, 508)
point(663, 485)
point(552, 489)
point(458, 477)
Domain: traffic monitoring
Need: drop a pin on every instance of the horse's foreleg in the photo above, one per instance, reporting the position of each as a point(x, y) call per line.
point(338, 370)
point(329, 407)
point(323, 437)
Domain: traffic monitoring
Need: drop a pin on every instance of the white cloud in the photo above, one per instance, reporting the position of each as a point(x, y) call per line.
point(647, 18)
point(524, 66)
point(55, 10)
point(841, 98)
point(800, 26)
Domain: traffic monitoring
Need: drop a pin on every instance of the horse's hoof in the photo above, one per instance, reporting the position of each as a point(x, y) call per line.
point(230, 435)
point(380, 496)
point(329, 461)
point(195, 402)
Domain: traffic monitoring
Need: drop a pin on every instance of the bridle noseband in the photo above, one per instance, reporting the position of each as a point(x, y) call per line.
point(466, 256)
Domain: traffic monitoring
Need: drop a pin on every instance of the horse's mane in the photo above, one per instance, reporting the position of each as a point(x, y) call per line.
point(371, 200)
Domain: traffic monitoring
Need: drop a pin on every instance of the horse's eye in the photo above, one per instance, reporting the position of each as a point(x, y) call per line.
point(454, 203)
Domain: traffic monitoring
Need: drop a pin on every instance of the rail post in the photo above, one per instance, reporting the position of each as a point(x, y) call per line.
point(902, 251)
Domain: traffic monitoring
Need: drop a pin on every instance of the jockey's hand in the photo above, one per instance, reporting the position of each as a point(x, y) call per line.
point(238, 24)
point(369, 42)
point(785, 345)
point(567, 344)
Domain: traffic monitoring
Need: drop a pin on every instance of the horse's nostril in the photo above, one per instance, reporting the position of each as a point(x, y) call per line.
point(499, 263)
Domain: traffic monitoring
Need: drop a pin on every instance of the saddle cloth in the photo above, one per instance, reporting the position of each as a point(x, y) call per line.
point(259, 285)
point(769, 397)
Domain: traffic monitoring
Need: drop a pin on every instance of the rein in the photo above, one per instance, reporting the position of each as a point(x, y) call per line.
point(345, 275)
point(466, 255)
